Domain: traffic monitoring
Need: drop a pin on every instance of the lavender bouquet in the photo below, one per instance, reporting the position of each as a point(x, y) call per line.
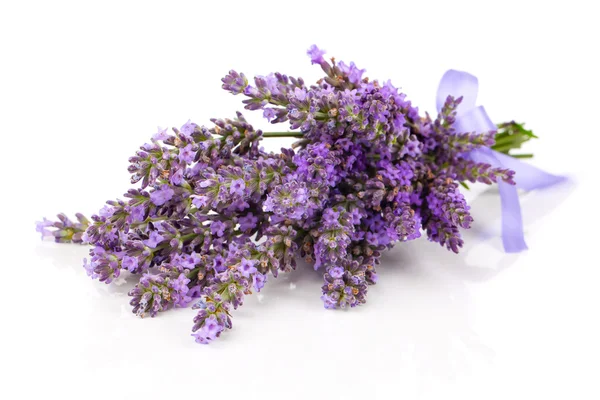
point(214, 215)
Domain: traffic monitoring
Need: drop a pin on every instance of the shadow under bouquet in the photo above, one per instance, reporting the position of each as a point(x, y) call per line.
point(213, 214)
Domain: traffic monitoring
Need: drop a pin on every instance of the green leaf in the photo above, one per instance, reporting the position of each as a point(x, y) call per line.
point(510, 136)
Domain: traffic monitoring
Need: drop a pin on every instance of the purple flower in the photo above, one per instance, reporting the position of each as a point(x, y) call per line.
point(247, 267)
point(162, 195)
point(300, 94)
point(186, 154)
point(200, 201)
point(176, 177)
point(161, 134)
point(206, 183)
point(104, 265)
point(291, 200)
point(248, 222)
point(258, 281)
point(336, 272)
point(65, 230)
point(153, 240)
point(315, 54)
point(234, 82)
point(209, 331)
point(129, 263)
point(237, 187)
point(188, 128)
point(89, 269)
point(269, 114)
point(138, 213)
point(219, 264)
point(352, 71)
point(330, 216)
point(218, 228)
point(159, 292)
point(41, 228)
point(106, 211)
point(269, 204)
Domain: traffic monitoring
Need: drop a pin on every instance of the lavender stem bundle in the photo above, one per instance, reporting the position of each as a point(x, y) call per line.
point(213, 215)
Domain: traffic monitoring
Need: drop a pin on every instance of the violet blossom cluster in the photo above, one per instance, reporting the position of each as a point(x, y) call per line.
point(213, 215)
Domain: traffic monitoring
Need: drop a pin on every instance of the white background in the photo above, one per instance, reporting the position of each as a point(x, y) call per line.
point(84, 84)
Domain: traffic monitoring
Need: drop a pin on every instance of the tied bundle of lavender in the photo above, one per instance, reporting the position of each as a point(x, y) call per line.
point(214, 215)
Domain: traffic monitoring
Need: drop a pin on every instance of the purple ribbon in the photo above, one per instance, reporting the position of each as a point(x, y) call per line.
point(471, 118)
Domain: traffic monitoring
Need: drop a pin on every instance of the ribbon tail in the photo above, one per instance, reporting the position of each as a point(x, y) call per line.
point(513, 238)
point(527, 176)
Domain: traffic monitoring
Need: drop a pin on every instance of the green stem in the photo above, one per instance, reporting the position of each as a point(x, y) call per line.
point(282, 134)
point(188, 236)
point(505, 148)
point(148, 220)
point(510, 140)
point(521, 155)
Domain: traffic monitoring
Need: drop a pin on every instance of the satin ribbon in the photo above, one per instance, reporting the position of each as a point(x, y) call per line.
point(471, 118)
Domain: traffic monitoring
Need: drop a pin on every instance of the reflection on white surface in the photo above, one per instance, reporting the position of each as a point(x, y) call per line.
point(418, 316)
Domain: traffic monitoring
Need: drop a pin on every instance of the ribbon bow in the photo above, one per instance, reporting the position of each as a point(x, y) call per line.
point(471, 118)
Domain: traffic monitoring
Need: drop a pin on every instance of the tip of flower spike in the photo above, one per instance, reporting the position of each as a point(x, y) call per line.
point(315, 54)
point(161, 134)
point(234, 82)
point(40, 227)
point(64, 230)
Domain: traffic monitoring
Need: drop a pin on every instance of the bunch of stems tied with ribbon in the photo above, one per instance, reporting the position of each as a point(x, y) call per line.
point(212, 216)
